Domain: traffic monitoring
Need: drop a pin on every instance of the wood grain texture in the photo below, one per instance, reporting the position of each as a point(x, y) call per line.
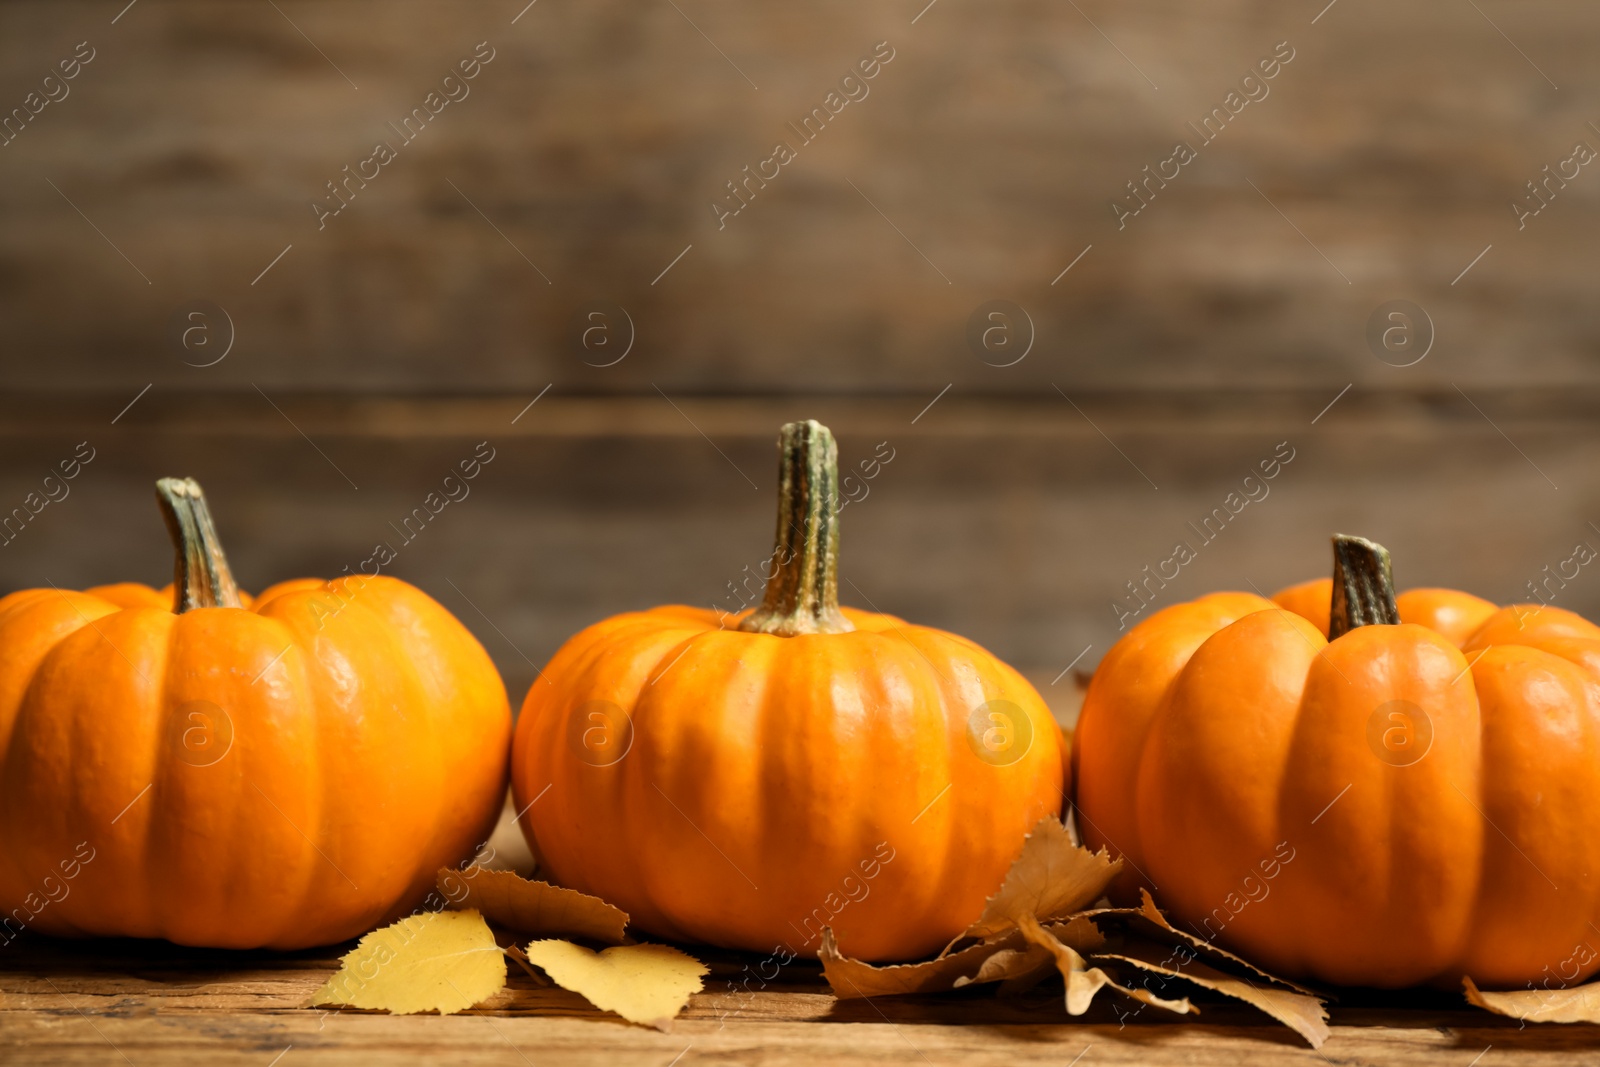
point(982, 162)
point(75, 1004)
point(1016, 522)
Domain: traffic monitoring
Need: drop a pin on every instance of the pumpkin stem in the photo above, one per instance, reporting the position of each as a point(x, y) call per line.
point(1363, 586)
point(803, 592)
point(202, 578)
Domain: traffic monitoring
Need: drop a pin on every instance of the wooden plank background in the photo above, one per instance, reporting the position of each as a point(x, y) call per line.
point(1012, 521)
point(338, 373)
point(1172, 357)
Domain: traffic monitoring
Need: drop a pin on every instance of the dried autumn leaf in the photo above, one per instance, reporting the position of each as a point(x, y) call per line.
point(1150, 912)
point(851, 978)
point(1083, 981)
point(1078, 932)
point(1029, 959)
point(533, 907)
point(443, 961)
point(646, 984)
point(1052, 878)
point(1000, 958)
point(1300, 1012)
point(1055, 879)
point(1023, 961)
point(1575, 1004)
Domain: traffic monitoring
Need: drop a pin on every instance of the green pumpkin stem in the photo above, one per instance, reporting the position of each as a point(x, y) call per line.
point(201, 577)
point(803, 593)
point(1363, 586)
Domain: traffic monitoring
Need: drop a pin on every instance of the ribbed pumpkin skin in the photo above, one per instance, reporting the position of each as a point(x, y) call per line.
point(1220, 728)
point(372, 753)
point(1451, 613)
point(765, 771)
point(138, 595)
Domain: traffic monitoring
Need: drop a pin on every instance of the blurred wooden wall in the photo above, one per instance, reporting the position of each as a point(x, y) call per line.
point(369, 355)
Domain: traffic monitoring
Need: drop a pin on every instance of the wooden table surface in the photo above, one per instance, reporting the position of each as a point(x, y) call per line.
point(138, 1003)
point(152, 1003)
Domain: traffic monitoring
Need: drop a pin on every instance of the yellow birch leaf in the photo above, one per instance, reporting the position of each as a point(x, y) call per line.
point(443, 961)
point(533, 907)
point(646, 984)
point(1575, 1004)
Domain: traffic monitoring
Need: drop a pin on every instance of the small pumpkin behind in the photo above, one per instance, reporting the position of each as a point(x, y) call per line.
point(177, 765)
point(745, 780)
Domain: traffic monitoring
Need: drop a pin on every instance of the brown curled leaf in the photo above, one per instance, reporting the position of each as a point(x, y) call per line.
point(1052, 878)
point(1574, 1004)
point(1031, 961)
point(1302, 1013)
point(851, 978)
point(533, 907)
point(1008, 964)
point(1083, 981)
point(1151, 913)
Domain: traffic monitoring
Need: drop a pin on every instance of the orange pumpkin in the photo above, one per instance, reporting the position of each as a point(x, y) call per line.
point(138, 595)
point(1451, 613)
point(178, 766)
point(1410, 802)
point(746, 779)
